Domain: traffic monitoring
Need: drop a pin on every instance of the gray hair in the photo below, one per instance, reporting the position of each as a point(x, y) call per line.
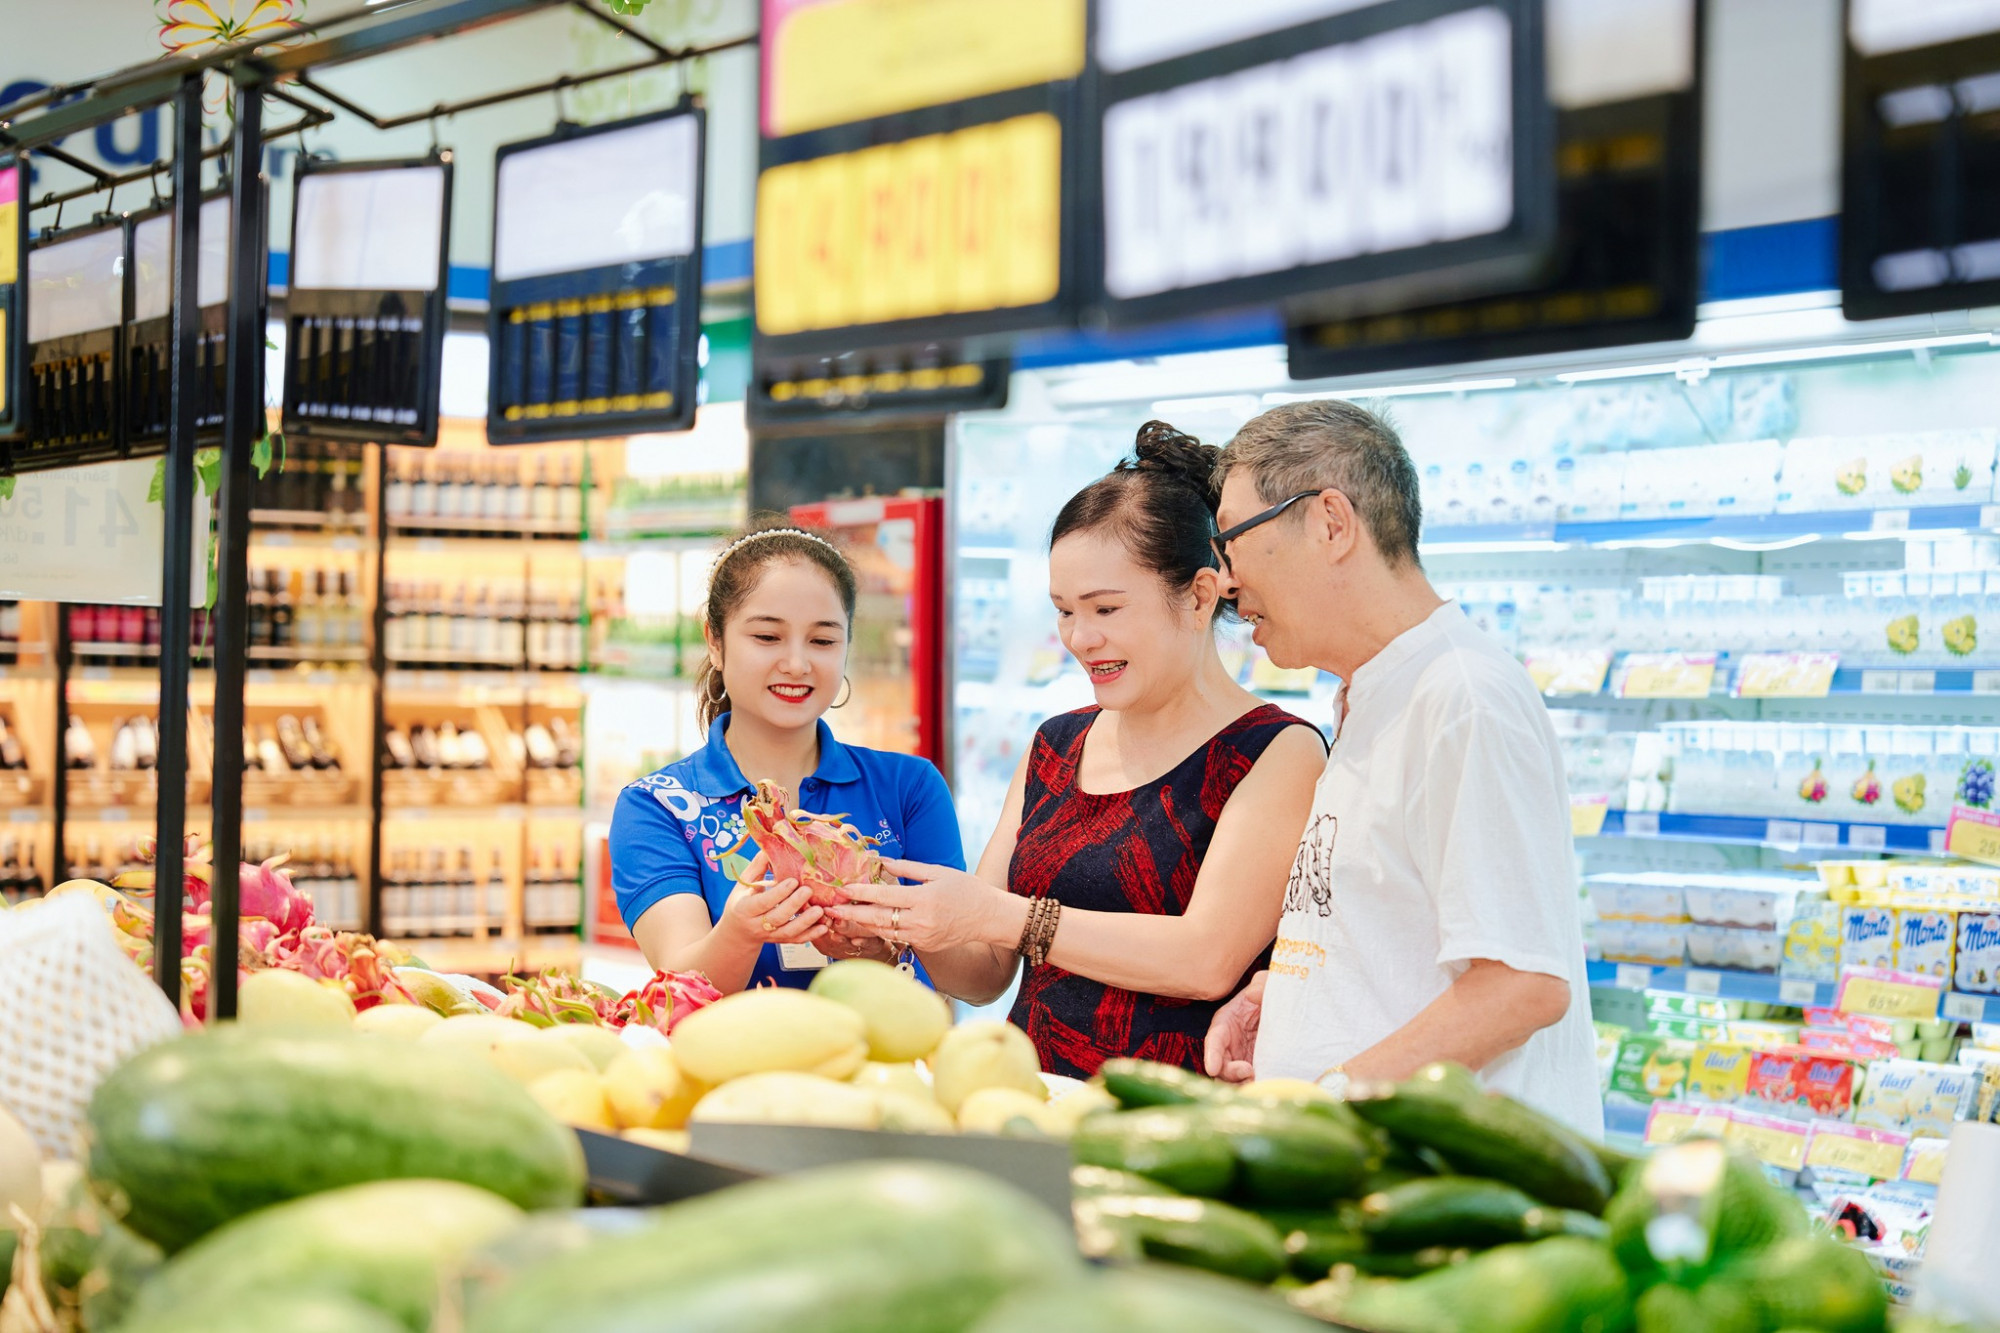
point(1333, 444)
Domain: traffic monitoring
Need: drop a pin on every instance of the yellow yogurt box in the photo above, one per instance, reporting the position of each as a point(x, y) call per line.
point(1720, 1072)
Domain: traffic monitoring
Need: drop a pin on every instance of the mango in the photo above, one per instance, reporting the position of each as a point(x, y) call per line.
point(277, 998)
point(599, 1045)
point(784, 1097)
point(666, 1140)
point(905, 1114)
point(993, 1110)
point(648, 1090)
point(575, 1097)
point(988, 1054)
point(905, 1018)
point(905, 1079)
point(543, 1052)
point(477, 1034)
point(762, 1031)
point(1067, 1110)
point(405, 1022)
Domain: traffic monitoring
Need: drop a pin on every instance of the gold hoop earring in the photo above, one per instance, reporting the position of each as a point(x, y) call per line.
point(715, 691)
point(843, 700)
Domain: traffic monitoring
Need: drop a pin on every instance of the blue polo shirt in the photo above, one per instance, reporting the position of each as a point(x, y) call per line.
point(671, 830)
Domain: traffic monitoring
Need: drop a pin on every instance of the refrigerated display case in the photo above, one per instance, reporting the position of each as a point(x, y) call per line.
point(896, 662)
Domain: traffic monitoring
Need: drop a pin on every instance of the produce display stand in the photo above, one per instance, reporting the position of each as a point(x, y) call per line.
point(625, 1172)
point(34, 126)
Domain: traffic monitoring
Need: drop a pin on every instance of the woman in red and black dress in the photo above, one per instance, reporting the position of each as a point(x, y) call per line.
point(1146, 841)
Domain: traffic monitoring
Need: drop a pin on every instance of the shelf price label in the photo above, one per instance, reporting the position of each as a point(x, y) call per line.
point(1798, 991)
point(1665, 676)
point(1670, 1122)
point(1786, 675)
point(1634, 976)
point(1869, 1152)
point(1702, 981)
point(1778, 1142)
point(1887, 994)
point(1965, 1008)
point(1586, 815)
point(1973, 834)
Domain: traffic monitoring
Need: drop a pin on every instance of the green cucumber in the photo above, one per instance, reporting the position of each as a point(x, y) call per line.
point(196, 1132)
point(1479, 1133)
point(1153, 1298)
point(1541, 1223)
point(388, 1244)
point(1616, 1164)
point(919, 1247)
point(1695, 1208)
point(1141, 1083)
point(1566, 1285)
point(1816, 1282)
point(1316, 1240)
point(1085, 1181)
point(1178, 1146)
point(1446, 1210)
point(1289, 1157)
point(1195, 1233)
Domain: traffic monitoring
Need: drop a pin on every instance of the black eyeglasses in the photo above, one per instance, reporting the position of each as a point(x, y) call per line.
point(1220, 541)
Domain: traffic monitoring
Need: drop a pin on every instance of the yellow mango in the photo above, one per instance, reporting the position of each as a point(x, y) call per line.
point(599, 1045)
point(991, 1110)
point(405, 1022)
point(987, 1054)
point(648, 1090)
point(575, 1097)
point(905, 1018)
point(762, 1031)
point(277, 998)
point(784, 1097)
point(544, 1052)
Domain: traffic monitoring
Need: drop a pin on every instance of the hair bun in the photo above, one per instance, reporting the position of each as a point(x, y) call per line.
point(1174, 453)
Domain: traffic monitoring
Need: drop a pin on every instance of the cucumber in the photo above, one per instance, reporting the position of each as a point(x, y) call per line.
point(1616, 1164)
point(1479, 1133)
point(198, 1131)
point(1816, 1282)
point(387, 1244)
point(297, 1312)
point(919, 1247)
point(1085, 1181)
point(1446, 1210)
point(1564, 1285)
point(1195, 1233)
point(1541, 1223)
point(1141, 1083)
point(1695, 1208)
point(1290, 1157)
point(1316, 1240)
point(1158, 1300)
point(1178, 1146)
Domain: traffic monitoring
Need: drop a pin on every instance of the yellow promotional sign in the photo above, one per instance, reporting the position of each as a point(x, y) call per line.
point(944, 224)
point(838, 61)
point(1862, 1151)
point(1776, 1142)
point(1886, 994)
point(1586, 815)
point(1974, 835)
point(1666, 676)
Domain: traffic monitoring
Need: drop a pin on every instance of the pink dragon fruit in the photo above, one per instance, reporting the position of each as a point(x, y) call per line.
point(823, 853)
point(555, 996)
point(665, 1000)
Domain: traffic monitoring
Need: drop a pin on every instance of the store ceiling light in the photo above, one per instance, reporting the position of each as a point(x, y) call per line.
point(1394, 391)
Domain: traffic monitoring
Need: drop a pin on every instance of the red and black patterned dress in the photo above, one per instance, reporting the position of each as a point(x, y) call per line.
point(1129, 851)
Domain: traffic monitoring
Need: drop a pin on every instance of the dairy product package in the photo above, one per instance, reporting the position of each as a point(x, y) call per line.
point(1812, 941)
point(1762, 902)
point(1915, 1097)
point(1657, 943)
point(1925, 940)
point(1739, 948)
point(1765, 1036)
point(1650, 1068)
point(1923, 1161)
point(1688, 1029)
point(1825, 1084)
point(1868, 937)
point(1976, 964)
point(1635, 898)
point(1720, 1073)
point(1671, 1004)
point(1772, 1084)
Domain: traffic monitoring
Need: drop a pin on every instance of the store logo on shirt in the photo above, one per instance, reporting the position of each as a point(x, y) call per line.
point(1312, 869)
point(665, 788)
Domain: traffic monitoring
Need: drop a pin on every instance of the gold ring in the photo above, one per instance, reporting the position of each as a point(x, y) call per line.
point(895, 919)
point(770, 928)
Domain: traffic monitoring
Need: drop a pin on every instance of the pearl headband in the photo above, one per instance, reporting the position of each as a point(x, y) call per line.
point(745, 540)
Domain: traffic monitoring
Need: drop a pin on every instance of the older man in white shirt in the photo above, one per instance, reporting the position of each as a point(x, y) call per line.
point(1432, 909)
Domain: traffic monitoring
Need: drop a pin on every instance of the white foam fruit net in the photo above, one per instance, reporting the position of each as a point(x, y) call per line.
point(72, 1006)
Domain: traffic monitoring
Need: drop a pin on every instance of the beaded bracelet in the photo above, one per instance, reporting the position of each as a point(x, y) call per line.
point(1038, 934)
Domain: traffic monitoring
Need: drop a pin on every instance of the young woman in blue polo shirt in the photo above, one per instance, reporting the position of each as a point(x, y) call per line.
point(779, 615)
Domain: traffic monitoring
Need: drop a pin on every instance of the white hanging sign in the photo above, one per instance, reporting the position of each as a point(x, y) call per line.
point(89, 534)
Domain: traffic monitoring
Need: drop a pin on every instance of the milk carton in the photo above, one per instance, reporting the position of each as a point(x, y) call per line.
point(1977, 964)
point(1924, 941)
point(1868, 937)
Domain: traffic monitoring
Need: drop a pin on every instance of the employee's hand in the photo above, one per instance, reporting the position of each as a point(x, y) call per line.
point(1232, 1035)
point(762, 912)
point(943, 909)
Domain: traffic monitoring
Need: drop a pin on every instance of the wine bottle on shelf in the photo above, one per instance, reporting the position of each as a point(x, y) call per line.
point(132, 635)
point(401, 755)
point(12, 890)
point(496, 898)
point(543, 507)
point(423, 490)
point(269, 755)
point(534, 893)
point(493, 496)
point(11, 755)
point(253, 759)
point(259, 611)
point(30, 881)
point(468, 491)
point(284, 607)
point(569, 497)
point(395, 486)
point(424, 745)
point(145, 742)
point(323, 756)
point(542, 751)
point(308, 590)
point(80, 750)
point(519, 502)
point(569, 746)
point(447, 744)
point(292, 743)
point(465, 895)
point(472, 749)
point(395, 893)
point(444, 490)
point(124, 746)
point(437, 896)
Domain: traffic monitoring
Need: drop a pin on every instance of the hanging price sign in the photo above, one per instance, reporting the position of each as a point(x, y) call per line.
point(1877, 1153)
point(1586, 815)
point(1775, 1142)
point(89, 534)
point(1786, 675)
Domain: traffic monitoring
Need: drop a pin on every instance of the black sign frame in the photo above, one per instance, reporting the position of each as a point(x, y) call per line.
point(1382, 280)
point(36, 451)
point(607, 284)
point(873, 387)
point(333, 305)
point(16, 397)
point(211, 345)
point(987, 332)
point(1556, 315)
point(1868, 194)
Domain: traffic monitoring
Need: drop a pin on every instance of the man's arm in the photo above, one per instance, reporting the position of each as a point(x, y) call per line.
point(1491, 1009)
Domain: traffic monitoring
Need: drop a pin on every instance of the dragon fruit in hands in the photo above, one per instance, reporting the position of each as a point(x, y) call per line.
point(665, 1000)
point(824, 853)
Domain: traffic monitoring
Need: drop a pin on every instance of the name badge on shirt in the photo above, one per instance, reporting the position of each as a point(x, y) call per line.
point(801, 958)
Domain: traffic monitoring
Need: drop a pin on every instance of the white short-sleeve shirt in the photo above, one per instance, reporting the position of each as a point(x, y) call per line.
point(1440, 833)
